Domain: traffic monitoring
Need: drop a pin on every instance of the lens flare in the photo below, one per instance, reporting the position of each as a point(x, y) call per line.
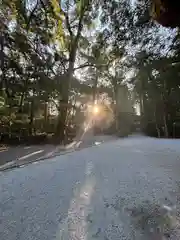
point(95, 110)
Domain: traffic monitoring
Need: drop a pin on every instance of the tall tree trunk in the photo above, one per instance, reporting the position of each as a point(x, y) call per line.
point(116, 109)
point(2, 62)
point(95, 86)
point(69, 74)
point(166, 132)
point(21, 102)
point(31, 123)
point(156, 123)
point(45, 111)
point(141, 106)
point(94, 100)
point(142, 111)
point(45, 115)
point(116, 105)
point(61, 128)
point(66, 87)
point(164, 98)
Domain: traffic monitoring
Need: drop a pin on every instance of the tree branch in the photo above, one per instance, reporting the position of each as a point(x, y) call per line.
point(68, 24)
point(84, 65)
point(90, 65)
point(31, 15)
point(67, 19)
point(80, 26)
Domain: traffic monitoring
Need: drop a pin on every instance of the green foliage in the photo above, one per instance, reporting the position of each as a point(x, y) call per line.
point(46, 46)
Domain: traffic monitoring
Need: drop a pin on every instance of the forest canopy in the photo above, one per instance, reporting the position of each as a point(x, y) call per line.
point(57, 57)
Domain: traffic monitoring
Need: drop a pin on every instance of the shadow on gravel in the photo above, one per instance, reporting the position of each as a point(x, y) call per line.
point(154, 221)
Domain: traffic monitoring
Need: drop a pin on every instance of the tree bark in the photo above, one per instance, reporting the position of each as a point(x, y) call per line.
point(157, 128)
point(142, 111)
point(67, 83)
point(166, 132)
point(61, 129)
point(69, 74)
point(46, 115)
point(116, 110)
point(2, 61)
point(21, 102)
point(116, 107)
point(164, 98)
point(31, 122)
point(95, 87)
